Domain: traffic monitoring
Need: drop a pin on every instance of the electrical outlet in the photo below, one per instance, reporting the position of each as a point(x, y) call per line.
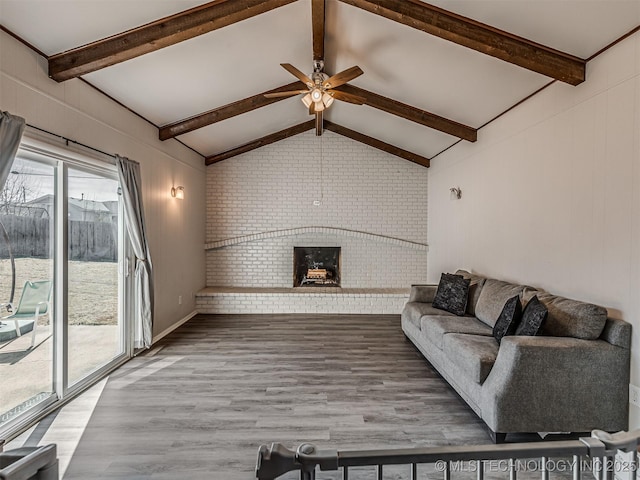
point(634, 395)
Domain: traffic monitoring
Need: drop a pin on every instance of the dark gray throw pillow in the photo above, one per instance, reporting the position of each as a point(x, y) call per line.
point(533, 317)
point(509, 319)
point(452, 294)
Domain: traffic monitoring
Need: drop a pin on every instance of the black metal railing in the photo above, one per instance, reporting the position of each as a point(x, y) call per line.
point(29, 463)
point(600, 449)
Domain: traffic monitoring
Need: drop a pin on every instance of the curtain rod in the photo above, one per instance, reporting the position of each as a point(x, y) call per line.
point(68, 140)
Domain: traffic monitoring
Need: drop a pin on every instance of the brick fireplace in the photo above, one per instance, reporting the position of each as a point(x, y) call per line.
point(369, 205)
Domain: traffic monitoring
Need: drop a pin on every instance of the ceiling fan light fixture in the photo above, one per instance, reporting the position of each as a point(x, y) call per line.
point(307, 100)
point(327, 99)
point(319, 106)
point(316, 95)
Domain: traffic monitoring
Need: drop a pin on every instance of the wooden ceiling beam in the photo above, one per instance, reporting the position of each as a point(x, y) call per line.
point(413, 114)
point(374, 100)
point(310, 125)
point(480, 37)
point(375, 143)
point(317, 21)
point(156, 35)
point(227, 111)
point(261, 142)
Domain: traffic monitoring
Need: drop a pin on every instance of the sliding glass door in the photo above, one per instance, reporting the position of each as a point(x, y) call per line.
point(26, 259)
point(63, 245)
point(94, 328)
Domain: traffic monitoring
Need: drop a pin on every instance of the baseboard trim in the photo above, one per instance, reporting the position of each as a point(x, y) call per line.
point(180, 322)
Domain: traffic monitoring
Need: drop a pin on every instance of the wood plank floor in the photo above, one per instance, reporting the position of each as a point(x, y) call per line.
point(198, 405)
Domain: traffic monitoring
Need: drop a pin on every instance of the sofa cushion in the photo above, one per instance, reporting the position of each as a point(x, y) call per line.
point(414, 311)
point(493, 296)
point(528, 293)
point(423, 293)
point(434, 328)
point(452, 294)
point(509, 319)
point(572, 318)
point(474, 354)
point(475, 287)
point(533, 318)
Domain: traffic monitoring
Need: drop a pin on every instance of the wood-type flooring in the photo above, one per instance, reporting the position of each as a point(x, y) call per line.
point(202, 400)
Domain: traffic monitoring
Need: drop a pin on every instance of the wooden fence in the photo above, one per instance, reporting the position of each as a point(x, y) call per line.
point(32, 237)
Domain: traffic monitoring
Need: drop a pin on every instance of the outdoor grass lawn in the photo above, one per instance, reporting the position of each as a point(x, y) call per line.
point(93, 287)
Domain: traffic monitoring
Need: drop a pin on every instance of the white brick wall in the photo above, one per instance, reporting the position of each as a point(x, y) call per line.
point(274, 187)
point(269, 263)
point(242, 302)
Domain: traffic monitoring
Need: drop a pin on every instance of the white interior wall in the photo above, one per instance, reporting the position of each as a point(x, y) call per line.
point(78, 111)
point(357, 188)
point(551, 194)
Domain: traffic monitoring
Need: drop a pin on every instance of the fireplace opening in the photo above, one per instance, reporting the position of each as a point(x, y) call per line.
point(316, 266)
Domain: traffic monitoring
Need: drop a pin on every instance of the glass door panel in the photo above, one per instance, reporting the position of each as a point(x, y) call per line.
point(26, 273)
point(94, 333)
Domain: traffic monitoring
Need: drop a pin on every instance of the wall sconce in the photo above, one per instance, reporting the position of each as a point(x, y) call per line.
point(456, 192)
point(177, 192)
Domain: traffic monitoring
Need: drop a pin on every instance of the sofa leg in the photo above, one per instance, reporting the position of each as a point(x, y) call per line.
point(497, 438)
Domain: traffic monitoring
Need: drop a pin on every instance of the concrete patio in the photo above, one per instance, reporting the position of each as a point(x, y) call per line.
point(30, 370)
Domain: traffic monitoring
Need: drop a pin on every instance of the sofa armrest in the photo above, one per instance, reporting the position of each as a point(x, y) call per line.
point(423, 293)
point(617, 332)
point(559, 384)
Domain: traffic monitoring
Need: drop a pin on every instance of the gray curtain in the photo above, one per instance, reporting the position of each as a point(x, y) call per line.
point(131, 185)
point(11, 128)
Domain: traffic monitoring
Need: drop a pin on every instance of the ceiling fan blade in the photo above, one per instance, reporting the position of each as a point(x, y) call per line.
point(285, 94)
point(297, 73)
point(342, 77)
point(347, 97)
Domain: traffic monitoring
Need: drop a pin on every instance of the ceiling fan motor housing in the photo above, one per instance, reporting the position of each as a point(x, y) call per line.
point(319, 78)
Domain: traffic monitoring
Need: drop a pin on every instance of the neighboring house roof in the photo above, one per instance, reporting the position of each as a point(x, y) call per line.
point(88, 205)
point(76, 203)
point(43, 200)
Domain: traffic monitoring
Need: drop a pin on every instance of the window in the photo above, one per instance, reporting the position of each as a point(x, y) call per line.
point(61, 230)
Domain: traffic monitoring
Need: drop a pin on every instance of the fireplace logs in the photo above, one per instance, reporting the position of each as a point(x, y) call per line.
point(317, 273)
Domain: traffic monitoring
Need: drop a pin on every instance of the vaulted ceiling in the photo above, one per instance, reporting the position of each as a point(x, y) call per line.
point(434, 73)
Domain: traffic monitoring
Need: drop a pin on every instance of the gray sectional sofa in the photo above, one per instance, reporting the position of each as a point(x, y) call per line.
point(572, 377)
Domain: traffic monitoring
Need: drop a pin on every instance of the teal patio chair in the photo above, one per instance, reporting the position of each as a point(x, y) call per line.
point(34, 303)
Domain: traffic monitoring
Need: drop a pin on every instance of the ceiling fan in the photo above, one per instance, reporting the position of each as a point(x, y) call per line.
point(320, 92)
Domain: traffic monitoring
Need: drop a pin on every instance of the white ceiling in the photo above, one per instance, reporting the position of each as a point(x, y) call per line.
point(243, 59)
